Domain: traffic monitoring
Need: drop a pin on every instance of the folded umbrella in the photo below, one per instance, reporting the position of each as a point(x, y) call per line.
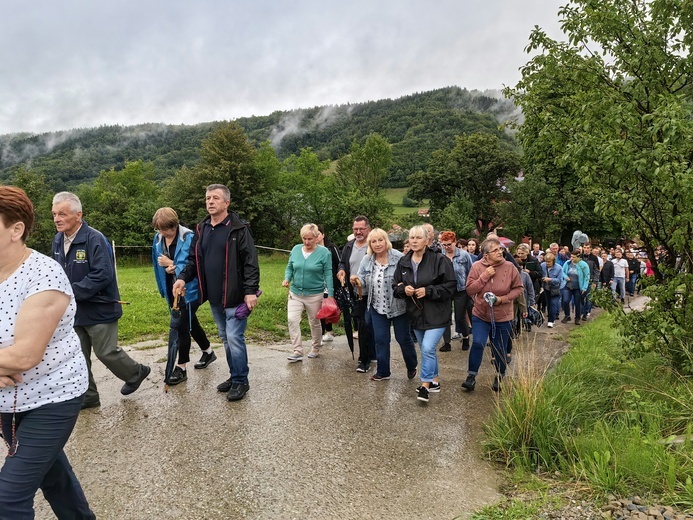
point(172, 342)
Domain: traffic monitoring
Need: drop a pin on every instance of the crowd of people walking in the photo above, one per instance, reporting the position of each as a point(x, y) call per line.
point(57, 311)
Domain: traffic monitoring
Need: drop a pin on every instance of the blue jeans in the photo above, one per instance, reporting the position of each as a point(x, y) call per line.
point(428, 342)
point(576, 296)
point(618, 285)
point(630, 284)
point(232, 334)
point(40, 462)
point(587, 301)
point(381, 330)
point(554, 307)
point(482, 331)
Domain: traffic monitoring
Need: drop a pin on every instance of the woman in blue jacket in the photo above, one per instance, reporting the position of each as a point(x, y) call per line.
point(169, 256)
point(553, 281)
point(576, 274)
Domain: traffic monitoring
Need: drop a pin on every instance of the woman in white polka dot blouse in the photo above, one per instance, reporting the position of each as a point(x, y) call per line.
point(43, 373)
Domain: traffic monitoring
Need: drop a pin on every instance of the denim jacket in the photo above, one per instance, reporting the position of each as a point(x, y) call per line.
point(461, 263)
point(365, 274)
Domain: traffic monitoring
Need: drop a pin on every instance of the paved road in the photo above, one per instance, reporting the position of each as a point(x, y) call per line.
point(311, 440)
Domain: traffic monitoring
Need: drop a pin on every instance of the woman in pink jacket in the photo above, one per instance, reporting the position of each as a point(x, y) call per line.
point(493, 283)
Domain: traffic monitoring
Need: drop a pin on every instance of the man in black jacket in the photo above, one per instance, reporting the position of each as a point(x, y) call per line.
point(224, 259)
point(352, 254)
point(88, 260)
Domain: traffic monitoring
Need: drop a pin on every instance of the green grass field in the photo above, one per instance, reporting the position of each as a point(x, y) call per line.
point(395, 195)
point(146, 316)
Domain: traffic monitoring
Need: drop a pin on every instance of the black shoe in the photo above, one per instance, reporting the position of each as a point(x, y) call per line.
point(422, 394)
point(584, 318)
point(434, 387)
point(465, 343)
point(469, 383)
point(130, 386)
point(206, 359)
point(90, 404)
point(178, 376)
point(237, 391)
point(496, 386)
point(445, 348)
point(411, 374)
point(565, 319)
point(225, 386)
point(577, 321)
point(362, 368)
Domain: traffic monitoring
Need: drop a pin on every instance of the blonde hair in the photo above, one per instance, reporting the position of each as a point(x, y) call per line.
point(378, 233)
point(418, 230)
point(310, 228)
point(549, 257)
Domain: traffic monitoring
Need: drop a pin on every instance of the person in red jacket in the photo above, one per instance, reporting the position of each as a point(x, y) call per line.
point(493, 283)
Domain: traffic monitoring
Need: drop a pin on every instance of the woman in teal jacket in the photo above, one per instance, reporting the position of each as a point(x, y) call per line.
point(169, 256)
point(309, 275)
point(576, 274)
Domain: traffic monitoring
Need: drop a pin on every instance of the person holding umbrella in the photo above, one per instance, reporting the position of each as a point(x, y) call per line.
point(425, 280)
point(375, 275)
point(494, 284)
point(170, 251)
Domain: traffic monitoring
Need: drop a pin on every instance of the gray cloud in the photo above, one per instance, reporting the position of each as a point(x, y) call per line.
point(79, 63)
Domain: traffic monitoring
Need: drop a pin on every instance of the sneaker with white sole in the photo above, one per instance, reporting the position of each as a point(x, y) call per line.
point(434, 387)
point(293, 358)
point(313, 354)
point(422, 394)
point(328, 336)
point(550, 324)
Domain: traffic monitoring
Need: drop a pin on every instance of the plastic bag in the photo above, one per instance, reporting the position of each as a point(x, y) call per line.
point(329, 311)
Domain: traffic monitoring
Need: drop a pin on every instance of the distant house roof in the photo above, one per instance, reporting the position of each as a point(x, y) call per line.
point(423, 212)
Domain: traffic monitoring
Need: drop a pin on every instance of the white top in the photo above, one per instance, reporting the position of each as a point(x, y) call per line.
point(620, 267)
point(380, 302)
point(62, 373)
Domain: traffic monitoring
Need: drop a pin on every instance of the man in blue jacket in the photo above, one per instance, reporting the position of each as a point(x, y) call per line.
point(224, 260)
point(87, 258)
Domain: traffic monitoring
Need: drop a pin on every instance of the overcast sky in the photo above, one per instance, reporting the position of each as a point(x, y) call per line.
point(81, 63)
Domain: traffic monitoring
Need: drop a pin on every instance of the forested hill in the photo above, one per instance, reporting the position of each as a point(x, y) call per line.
point(415, 125)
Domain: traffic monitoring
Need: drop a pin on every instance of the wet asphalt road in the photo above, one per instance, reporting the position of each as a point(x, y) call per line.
point(310, 440)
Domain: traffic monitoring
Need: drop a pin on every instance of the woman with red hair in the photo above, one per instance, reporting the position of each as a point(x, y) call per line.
point(461, 263)
point(43, 373)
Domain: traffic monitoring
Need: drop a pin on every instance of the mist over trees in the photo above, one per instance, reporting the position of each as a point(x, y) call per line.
point(414, 125)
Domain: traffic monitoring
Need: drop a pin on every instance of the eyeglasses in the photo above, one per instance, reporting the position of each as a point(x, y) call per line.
point(494, 251)
point(359, 229)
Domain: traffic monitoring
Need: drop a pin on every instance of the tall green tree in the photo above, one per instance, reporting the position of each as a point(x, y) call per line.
point(366, 167)
point(360, 176)
point(614, 103)
point(478, 169)
point(121, 203)
point(226, 157)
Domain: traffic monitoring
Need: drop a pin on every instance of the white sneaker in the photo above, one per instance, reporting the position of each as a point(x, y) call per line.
point(328, 336)
point(550, 324)
point(457, 335)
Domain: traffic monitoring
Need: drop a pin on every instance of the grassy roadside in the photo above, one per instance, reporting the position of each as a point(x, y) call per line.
point(598, 422)
point(146, 317)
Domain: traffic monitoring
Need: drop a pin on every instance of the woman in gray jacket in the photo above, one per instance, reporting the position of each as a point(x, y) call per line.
point(375, 274)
